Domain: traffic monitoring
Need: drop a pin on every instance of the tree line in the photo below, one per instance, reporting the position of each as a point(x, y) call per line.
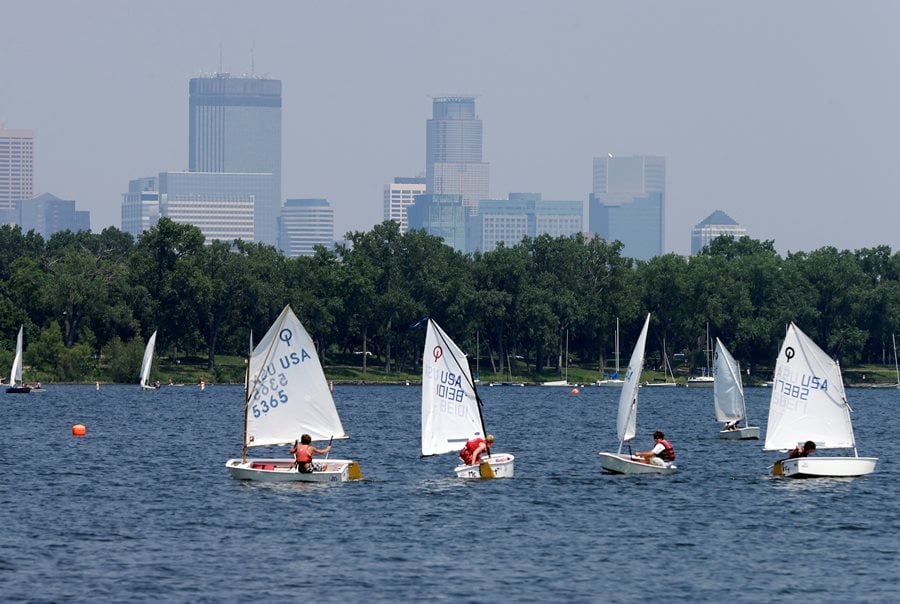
point(84, 297)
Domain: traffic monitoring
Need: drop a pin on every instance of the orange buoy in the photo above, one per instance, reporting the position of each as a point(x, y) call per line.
point(575, 391)
point(79, 430)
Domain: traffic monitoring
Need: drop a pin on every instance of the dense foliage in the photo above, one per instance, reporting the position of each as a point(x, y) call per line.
point(83, 297)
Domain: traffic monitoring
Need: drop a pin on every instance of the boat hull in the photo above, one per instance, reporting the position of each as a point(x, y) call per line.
point(746, 433)
point(18, 390)
point(503, 465)
point(815, 467)
point(283, 470)
point(701, 383)
point(610, 383)
point(626, 464)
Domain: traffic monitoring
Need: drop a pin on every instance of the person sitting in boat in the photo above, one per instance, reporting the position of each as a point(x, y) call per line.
point(471, 453)
point(808, 448)
point(662, 453)
point(157, 385)
point(732, 425)
point(303, 452)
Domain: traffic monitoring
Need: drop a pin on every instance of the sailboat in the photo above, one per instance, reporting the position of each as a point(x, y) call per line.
point(16, 386)
point(667, 371)
point(451, 407)
point(286, 395)
point(728, 395)
point(147, 363)
point(614, 379)
point(706, 380)
point(626, 420)
point(564, 382)
point(809, 403)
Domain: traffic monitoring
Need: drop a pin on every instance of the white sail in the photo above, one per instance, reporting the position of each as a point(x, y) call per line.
point(148, 360)
point(728, 390)
point(808, 400)
point(15, 374)
point(626, 421)
point(287, 394)
point(450, 414)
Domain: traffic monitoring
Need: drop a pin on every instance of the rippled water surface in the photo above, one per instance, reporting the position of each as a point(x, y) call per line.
point(143, 509)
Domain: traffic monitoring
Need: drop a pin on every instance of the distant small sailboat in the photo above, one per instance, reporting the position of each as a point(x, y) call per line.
point(613, 380)
point(16, 386)
point(809, 403)
point(146, 363)
point(707, 380)
point(667, 371)
point(451, 407)
point(626, 420)
point(728, 396)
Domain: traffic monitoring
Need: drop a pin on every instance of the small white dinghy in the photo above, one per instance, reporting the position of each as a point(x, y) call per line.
point(286, 395)
point(809, 403)
point(728, 395)
point(16, 385)
point(451, 407)
point(626, 421)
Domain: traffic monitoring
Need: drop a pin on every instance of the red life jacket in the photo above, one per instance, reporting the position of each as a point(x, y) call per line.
point(301, 454)
point(466, 453)
point(667, 454)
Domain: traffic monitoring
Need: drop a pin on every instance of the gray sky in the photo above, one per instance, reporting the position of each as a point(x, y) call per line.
point(784, 114)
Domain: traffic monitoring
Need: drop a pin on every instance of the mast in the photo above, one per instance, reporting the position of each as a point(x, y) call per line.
point(246, 400)
point(896, 366)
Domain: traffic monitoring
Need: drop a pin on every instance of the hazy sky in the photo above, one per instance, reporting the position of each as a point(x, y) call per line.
point(782, 114)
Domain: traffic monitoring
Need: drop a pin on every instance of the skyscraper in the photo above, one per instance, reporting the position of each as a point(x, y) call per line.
point(398, 196)
point(235, 126)
point(628, 203)
point(306, 223)
point(47, 214)
point(453, 143)
point(16, 166)
point(715, 225)
point(140, 205)
point(443, 216)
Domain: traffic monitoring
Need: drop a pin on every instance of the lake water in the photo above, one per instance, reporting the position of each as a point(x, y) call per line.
point(143, 509)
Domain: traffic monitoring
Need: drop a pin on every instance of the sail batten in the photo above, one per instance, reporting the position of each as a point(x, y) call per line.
point(808, 400)
point(450, 413)
point(287, 393)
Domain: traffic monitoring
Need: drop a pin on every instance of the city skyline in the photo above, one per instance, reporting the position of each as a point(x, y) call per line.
point(782, 116)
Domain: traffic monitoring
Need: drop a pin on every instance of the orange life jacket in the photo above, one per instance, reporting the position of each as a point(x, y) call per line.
point(667, 454)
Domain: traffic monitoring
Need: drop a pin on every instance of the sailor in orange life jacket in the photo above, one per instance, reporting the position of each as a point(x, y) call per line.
point(471, 453)
point(662, 452)
point(303, 452)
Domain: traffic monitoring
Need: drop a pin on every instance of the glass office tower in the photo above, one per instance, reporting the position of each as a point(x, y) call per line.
point(453, 143)
point(235, 126)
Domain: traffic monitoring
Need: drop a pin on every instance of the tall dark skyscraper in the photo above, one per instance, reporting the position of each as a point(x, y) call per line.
point(235, 126)
point(453, 162)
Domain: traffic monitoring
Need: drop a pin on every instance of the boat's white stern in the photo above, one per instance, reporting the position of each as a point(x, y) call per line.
point(502, 464)
point(815, 467)
point(283, 470)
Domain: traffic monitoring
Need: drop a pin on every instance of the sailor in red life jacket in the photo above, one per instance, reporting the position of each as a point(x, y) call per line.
point(303, 452)
point(471, 453)
point(808, 448)
point(662, 453)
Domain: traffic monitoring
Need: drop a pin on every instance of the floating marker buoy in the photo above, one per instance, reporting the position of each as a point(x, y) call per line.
point(79, 430)
point(575, 391)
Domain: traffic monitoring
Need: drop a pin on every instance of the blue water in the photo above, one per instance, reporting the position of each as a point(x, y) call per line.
point(143, 509)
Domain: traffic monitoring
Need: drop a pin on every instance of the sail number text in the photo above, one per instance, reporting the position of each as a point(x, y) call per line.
point(801, 391)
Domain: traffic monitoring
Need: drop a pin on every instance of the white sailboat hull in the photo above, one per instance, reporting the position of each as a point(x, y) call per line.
point(556, 383)
point(746, 433)
point(658, 385)
point(701, 382)
point(626, 464)
point(284, 470)
point(813, 467)
point(614, 383)
point(503, 465)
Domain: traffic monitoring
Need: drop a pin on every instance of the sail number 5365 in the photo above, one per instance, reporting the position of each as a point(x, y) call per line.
point(266, 405)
